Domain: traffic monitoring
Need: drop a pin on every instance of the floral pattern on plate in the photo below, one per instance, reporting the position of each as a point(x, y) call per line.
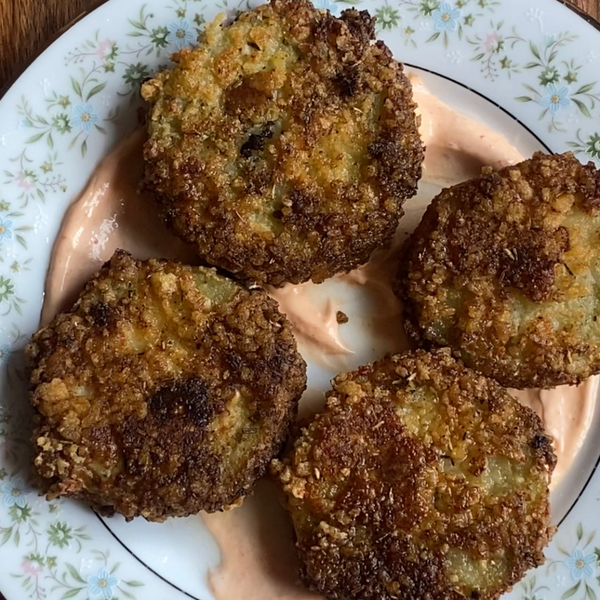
point(532, 57)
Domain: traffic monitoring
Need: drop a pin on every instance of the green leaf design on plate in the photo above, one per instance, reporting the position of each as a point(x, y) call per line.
point(590, 593)
point(74, 573)
point(96, 90)
point(582, 107)
point(76, 87)
point(586, 88)
point(35, 138)
point(571, 591)
point(71, 593)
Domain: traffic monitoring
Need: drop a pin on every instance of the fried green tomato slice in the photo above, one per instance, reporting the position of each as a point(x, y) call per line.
point(505, 270)
point(422, 479)
point(165, 391)
point(284, 146)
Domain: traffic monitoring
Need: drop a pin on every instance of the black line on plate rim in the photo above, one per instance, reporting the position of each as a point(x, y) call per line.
point(594, 468)
point(173, 585)
point(506, 112)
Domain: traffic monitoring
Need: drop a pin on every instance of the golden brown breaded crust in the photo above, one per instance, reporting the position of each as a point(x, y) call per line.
point(283, 147)
point(505, 269)
point(422, 479)
point(165, 391)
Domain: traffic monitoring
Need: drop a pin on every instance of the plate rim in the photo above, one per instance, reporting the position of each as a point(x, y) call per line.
point(70, 27)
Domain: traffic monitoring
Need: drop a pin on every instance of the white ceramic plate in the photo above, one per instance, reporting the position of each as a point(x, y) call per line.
point(528, 68)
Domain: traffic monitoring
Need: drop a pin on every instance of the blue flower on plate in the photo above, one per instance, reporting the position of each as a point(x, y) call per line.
point(556, 99)
point(581, 565)
point(446, 17)
point(102, 585)
point(6, 232)
point(83, 116)
point(13, 492)
point(330, 5)
point(180, 34)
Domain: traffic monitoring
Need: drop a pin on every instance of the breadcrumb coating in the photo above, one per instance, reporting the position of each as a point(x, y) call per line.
point(284, 146)
point(505, 270)
point(422, 479)
point(165, 391)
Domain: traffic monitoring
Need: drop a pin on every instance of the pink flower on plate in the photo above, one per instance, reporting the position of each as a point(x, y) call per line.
point(26, 179)
point(491, 41)
point(33, 564)
point(103, 47)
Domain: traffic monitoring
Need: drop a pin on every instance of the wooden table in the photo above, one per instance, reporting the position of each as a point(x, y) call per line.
point(27, 25)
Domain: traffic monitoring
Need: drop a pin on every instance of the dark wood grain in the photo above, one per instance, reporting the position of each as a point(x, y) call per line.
point(590, 7)
point(26, 26)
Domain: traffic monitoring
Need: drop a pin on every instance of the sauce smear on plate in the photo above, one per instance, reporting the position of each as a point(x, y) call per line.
point(258, 560)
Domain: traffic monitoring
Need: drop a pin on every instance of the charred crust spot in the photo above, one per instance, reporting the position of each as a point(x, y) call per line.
point(542, 443)
point(360, 23)
point(100, 314)
point(347, 82)
point(303, 214)
point(532, 267)
point(234, 361)
point(256, 141)
point(187, 400)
